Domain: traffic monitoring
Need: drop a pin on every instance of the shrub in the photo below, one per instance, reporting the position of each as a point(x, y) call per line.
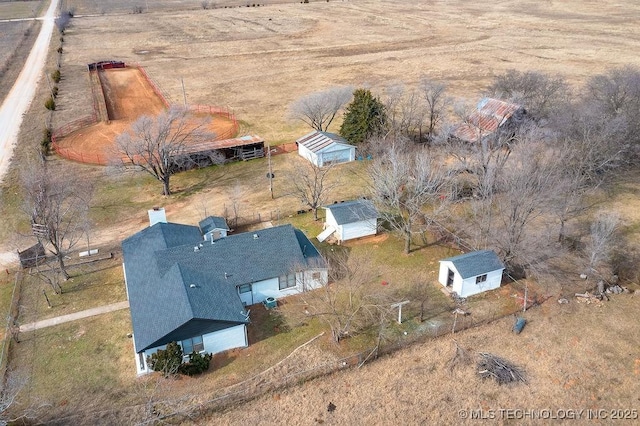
point(45, 144)
point(137, 9)
point(167, 361)
point(60, 49)
point(54, 91)
point(55, 76)
point(50, 104)
point(197, 364)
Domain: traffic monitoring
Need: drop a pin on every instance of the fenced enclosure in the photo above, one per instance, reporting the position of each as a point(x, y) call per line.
point(100, 113)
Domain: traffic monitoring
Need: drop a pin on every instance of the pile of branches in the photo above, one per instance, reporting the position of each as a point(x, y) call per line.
point(491, 366)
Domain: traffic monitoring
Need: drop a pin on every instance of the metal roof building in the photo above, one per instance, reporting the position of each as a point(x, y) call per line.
point(489, 116)
point(324, 148)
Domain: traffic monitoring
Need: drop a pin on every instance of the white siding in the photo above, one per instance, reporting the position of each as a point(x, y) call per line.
point(218, 341)
point(363, 228)
point(306, 153)
point(330, 220)
point(229, 338)
point(469, 286)
point(341, 155)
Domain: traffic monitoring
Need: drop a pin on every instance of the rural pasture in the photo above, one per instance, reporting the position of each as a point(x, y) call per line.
point(256, 61)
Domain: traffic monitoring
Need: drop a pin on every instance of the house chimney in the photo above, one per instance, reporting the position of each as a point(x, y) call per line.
point(157, 215)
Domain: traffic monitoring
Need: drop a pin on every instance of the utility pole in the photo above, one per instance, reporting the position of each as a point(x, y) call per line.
point(270, 174)
point(184, 94)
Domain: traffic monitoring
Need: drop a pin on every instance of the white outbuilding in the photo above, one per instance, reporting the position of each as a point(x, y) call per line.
point(349, 220)
point(323, 148)
point(471, 273)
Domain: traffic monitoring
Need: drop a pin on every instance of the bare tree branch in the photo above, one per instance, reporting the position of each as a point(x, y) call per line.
point(319, 109)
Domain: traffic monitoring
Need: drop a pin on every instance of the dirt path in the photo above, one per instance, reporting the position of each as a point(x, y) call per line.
point(17, 102)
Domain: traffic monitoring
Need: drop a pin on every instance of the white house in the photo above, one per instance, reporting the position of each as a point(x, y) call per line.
point(185, 288)
point(471, 273)
point(323, 148)
point(349, 220)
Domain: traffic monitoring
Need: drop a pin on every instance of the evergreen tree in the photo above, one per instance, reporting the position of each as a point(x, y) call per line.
point(167, 361)
point(365, 116)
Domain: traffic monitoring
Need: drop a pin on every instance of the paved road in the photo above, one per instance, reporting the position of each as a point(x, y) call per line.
point(24, 89)
point(74, 316)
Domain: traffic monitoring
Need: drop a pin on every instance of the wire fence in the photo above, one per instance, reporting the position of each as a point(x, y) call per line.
point(220, 111)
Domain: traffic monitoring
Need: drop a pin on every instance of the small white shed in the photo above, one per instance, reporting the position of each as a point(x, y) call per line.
point(350, 219)
point(323, 148)
point(471, 273)
point(213, 228)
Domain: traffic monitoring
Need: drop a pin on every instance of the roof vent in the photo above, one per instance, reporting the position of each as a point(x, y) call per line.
point(196, 248)
point(192, 286)
point(226, 275)
point(255, 236)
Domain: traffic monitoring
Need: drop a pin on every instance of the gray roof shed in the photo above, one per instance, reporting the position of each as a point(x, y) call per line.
point(476, 263)
point(353, 211)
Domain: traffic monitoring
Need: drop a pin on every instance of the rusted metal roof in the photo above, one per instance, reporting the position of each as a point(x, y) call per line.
point(317, 141)
point(488, 117)
point(222, 144)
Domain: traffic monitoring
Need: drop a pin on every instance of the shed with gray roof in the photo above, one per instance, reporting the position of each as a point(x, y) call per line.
point(471, 273)
point(350, 220)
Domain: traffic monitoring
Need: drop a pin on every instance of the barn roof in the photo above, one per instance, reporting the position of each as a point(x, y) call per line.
point(320, 141)
point(489, 115)
point(476, 263)
point(178, 284)
point(353, 211)
point(212, 145)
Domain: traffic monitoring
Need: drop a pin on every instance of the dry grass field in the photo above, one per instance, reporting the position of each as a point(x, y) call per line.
point(257, 60)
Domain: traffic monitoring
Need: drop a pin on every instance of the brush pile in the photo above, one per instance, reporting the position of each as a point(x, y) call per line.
point(501, 370)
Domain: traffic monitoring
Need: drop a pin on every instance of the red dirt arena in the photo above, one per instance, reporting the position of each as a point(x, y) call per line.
point(122, 95)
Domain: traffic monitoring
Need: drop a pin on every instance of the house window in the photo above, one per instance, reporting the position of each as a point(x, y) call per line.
point(195, 344)
point(287, 281)
point(244, 288)
point(481, 278)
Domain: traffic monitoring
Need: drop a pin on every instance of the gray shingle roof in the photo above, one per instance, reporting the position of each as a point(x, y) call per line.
point(353, 211)
point(476, 263)
point(179, 285)
point(213, 222)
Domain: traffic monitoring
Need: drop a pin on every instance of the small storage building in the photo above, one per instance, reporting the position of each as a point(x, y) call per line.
point(350, 220)
point(471, 273)
point(323, 148)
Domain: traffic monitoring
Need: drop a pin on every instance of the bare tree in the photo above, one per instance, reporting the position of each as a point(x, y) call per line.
point(350, 303)
point(436, 102)
point(405, 112)
point(312, 184)
point(540, 94)
point(319, 109)
point(14, 382)
point(603, 229)
point(57, 206)
point(408, 188)
point(158, 145)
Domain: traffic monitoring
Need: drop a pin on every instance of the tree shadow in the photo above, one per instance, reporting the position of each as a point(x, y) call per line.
point(265, 323)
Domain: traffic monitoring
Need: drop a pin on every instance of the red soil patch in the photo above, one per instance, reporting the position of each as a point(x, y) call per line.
point(128, 95)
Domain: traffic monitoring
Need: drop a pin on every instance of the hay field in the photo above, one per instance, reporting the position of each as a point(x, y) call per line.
point(258, 60)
